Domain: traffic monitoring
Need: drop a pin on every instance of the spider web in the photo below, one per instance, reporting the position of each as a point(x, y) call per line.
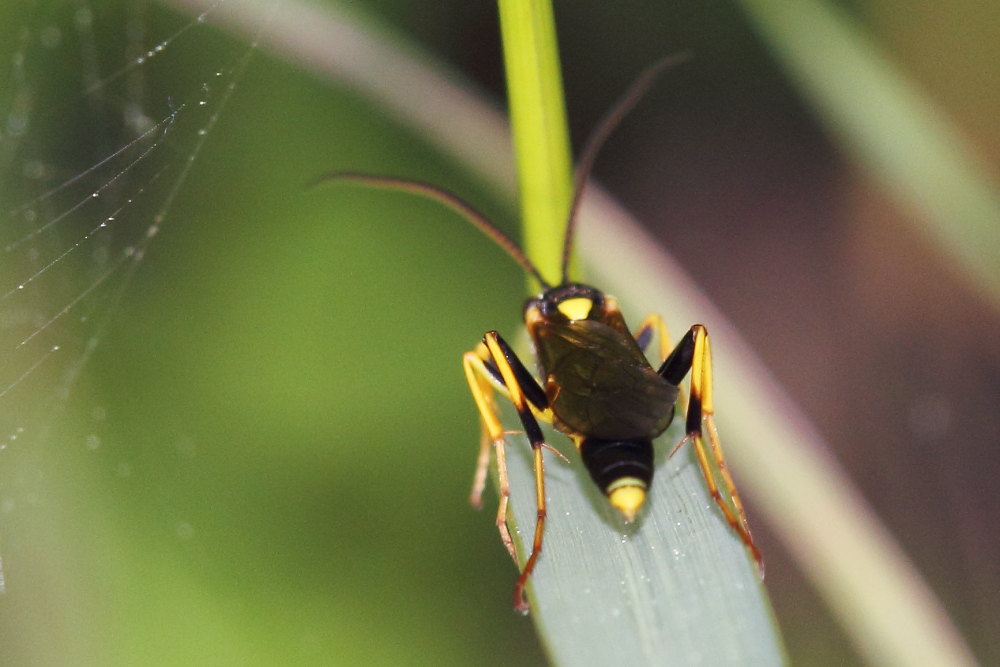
point(128, 503)
point(103, 114)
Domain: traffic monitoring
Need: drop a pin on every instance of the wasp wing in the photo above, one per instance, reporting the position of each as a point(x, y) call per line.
point(599, 383)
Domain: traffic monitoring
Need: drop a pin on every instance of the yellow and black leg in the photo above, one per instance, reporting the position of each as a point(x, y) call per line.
point(694, 353)
point(653, 324)
point(478, 376)
point(494, 364)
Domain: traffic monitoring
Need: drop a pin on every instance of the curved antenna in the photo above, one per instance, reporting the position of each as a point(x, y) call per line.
point(625, 103)
point(449, 199)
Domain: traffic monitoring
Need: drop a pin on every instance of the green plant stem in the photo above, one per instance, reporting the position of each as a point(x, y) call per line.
point(538, 124)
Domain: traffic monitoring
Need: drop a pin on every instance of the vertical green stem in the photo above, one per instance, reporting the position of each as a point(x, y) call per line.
point(538, 121)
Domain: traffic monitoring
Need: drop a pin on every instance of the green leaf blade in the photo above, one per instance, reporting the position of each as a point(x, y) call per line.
point(677, 586)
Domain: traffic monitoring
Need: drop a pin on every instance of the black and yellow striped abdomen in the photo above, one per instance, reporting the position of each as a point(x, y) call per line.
point(610, 461)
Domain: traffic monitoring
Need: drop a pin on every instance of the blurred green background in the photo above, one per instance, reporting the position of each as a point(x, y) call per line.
point(265, 458)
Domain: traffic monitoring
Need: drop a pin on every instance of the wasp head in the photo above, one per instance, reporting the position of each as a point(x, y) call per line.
point(567, 302)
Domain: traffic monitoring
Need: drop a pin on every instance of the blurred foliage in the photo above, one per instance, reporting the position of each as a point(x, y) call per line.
point(266, 457)
point(280, 466)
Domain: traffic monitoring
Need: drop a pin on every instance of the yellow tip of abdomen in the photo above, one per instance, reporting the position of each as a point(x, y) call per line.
point(627, 496)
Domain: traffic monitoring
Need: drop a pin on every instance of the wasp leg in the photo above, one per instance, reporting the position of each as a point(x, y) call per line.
point(694, 353)
point(477, 376)
point(643, 336)
point(480, 373)
point(494, 360)
point(653, 324)
point(507, 363)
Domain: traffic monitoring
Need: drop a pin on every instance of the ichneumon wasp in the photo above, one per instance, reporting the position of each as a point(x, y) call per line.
point(596, 385)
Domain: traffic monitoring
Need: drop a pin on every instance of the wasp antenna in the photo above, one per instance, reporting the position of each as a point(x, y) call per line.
point(626, 103)
point(449, 199)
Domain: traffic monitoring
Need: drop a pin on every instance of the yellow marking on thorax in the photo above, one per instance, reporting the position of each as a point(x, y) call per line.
point(577, 308)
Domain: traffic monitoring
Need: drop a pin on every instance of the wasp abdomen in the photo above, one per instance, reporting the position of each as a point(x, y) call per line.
point(622, 469)
point(610, 460)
